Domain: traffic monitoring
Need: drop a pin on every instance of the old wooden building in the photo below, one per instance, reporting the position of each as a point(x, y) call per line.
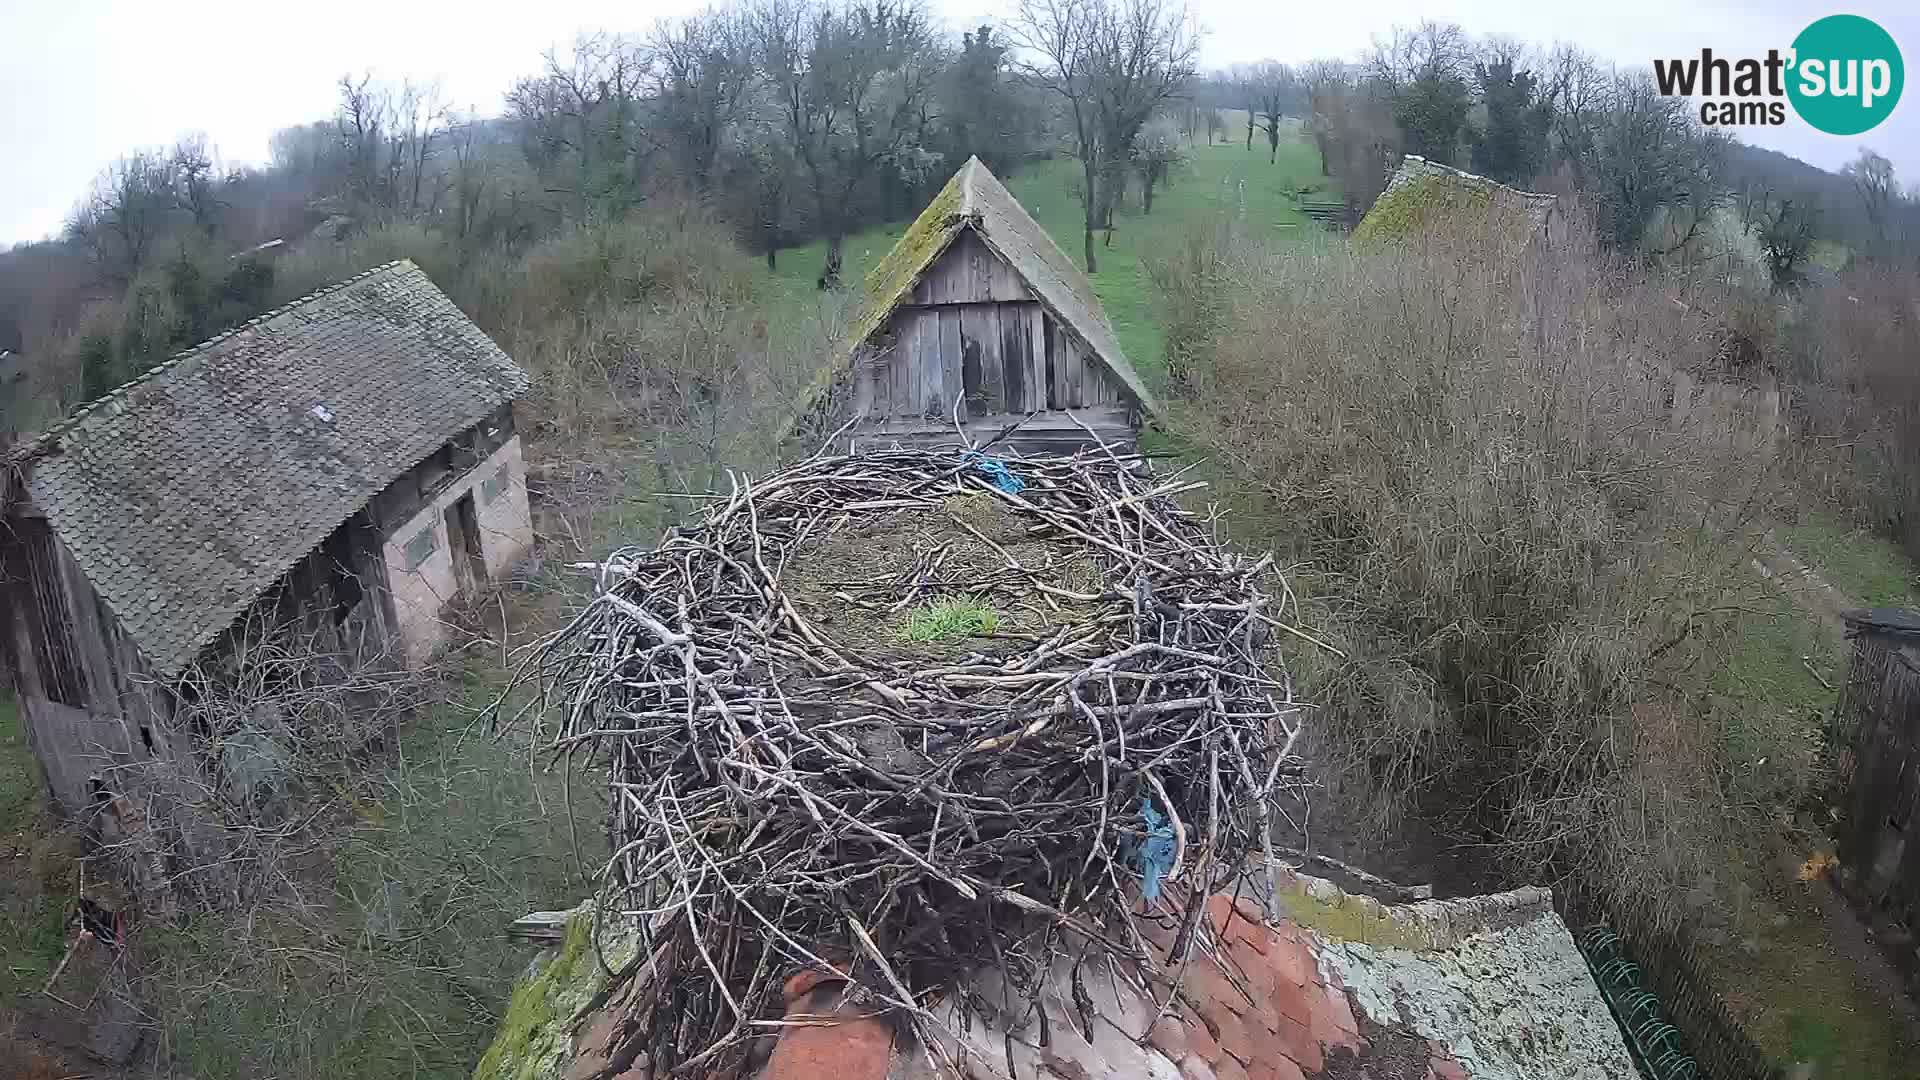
point(1879, 856)
point(346, 464)
point(977, 319)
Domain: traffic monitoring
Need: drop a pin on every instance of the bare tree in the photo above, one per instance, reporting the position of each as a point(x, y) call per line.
point(1650, 155)
point(196, 174)
point(1238, 85)
point(1578, 86)
point(420, 121)
point(1111, 64)
point(852, 84)
point(1424, 72)
point(703, 72)
point(1274, 89)
point(581, 115)
point(1873, 180)
point(134, 203)
point(361, 125)
point(1786, 229)
point(1351, 120)
point(1431, 50)
point(1324, 81)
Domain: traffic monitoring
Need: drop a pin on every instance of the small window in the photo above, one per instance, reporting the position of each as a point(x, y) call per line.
point(496, 485)
point(421, 547)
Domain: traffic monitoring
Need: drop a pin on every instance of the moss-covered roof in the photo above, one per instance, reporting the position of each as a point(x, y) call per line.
point(1423, 193)
point(976, 199)
point(1489, 986)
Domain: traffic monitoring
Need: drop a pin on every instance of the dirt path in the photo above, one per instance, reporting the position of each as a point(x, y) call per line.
point(1803, 584)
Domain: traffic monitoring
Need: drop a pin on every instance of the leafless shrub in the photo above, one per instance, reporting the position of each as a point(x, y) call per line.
point(346, 874)
point(1856, 395)
point(1471, 441)
point(223, 807)
point(658, 360)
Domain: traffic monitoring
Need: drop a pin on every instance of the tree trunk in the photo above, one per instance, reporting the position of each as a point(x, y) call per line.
point(773, 252)
point(1249, 130)
point(1090, 203)
point(1146, 194)
point(830, 274)
point(1273, 143)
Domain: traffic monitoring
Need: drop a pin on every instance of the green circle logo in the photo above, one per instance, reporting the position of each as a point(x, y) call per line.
point(1846, 74)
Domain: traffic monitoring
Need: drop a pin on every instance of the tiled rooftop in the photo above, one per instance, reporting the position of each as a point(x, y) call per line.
point(186, 493)
point(1311, 983)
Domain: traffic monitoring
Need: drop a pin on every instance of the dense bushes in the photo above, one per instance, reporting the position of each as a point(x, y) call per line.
point(1849, 356)
point(1472, 451)
point(176, 304)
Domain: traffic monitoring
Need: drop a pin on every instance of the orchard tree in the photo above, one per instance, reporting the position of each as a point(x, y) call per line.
point(1424, 73)
point(1110, 65)
point(703, 74)
point(1156, 153)
point(579, 122)
point(1273, 92)
point(852, 83)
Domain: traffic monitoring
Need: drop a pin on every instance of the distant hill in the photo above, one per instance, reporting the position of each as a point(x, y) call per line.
point(1841, 218)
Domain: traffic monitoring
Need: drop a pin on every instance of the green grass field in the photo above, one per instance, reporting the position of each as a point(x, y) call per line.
point(36, 868)
point(1869, 568)
point(1219, 182)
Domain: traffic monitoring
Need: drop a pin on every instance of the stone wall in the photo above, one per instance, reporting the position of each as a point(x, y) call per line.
point(421, 572)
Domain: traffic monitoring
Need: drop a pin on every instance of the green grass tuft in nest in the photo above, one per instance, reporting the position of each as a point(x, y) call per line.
point(951, 620)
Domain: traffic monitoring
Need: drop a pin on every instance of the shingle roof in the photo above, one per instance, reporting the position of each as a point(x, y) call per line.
point(1311, 981)
point(186, 493)
point(975, 199)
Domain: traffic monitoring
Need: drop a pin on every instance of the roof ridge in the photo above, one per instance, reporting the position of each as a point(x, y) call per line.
point(1469, 175)
point(47, 439)
point(970, 187)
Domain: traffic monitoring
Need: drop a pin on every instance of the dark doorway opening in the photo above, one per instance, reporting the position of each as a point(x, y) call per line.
point(463, 537)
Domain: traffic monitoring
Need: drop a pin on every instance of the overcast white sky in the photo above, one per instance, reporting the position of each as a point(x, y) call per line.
point(85, 81)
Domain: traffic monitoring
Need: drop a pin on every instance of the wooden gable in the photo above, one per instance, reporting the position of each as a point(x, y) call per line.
point(973, 329)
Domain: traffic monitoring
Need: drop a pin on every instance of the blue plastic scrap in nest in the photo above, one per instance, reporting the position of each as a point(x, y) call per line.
point(995, 470)
point(1154, 858)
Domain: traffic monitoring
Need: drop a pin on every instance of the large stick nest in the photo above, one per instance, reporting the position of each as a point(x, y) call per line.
point(788, 794)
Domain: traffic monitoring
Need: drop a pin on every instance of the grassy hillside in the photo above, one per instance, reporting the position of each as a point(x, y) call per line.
point(1219, 181)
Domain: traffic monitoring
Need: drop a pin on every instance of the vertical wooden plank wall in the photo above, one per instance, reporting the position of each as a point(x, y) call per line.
point(973, 329)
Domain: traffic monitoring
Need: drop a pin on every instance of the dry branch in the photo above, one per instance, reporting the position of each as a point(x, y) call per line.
point(784, 799)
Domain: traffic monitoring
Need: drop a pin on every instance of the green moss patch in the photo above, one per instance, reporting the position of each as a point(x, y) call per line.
point(1350, 919)
point(1409, 208)
point(536, 1034)
point(924, 240)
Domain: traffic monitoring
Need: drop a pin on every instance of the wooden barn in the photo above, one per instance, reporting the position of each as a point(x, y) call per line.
point(346, 465)
point(1879, 856)
point(977, 319)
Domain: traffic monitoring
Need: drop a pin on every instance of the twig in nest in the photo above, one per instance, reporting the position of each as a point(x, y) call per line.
point(785, 800)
